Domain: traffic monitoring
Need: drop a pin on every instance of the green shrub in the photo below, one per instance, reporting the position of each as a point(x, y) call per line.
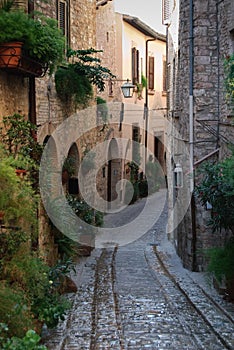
point(84, 211)
point(29, 342)
point(222, 261)
point(217, 187)
point(15, 310)
point(40, 286)
point(17, 199)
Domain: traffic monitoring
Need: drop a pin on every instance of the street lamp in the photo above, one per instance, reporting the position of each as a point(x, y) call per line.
point(127, 89)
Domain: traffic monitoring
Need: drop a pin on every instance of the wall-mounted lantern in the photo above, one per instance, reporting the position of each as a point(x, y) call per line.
point(127, 89)
point(178, 176)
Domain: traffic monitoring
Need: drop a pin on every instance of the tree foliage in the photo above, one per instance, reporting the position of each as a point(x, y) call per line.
point(217, 188)
point(76, 79)
point(229, 79)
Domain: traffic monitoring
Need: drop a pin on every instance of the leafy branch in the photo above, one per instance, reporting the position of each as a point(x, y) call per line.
point(74, 81)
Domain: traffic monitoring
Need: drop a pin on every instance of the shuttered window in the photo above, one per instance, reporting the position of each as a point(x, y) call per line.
point(166, 11)
point(151, 74)
point(135, 65)
point(62, 16)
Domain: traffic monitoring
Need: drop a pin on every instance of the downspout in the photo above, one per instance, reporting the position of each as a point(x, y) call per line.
point(191, 135)
point(146, 109)
point(218, 62)
point(32, 87)
point(191, 70)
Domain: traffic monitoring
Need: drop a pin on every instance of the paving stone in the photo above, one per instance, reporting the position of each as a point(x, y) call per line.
point(127, 300)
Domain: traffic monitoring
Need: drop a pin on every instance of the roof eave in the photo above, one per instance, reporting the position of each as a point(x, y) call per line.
point(143, 28)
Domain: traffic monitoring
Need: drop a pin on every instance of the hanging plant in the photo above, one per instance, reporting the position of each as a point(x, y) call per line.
point(72, 84)
point(74, 81)
point(41, 39)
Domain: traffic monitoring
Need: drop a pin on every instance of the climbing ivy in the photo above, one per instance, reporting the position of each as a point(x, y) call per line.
point(229, 79)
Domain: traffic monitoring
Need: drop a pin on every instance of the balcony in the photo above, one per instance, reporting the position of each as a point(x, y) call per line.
point(13, 60)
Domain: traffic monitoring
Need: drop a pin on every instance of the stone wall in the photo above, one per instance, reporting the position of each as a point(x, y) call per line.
point(13, 94)
point(107, 42)
point(212, 42)
point(82, 24)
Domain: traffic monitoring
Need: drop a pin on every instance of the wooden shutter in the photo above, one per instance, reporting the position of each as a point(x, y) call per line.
point(135, 65)
point(62, 17)
point(166, 11)
point(151, 74)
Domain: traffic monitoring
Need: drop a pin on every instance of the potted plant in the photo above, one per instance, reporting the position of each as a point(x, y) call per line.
point(141, 86)
point(24, 39)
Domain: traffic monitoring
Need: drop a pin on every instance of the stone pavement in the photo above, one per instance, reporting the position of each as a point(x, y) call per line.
point(138, 296)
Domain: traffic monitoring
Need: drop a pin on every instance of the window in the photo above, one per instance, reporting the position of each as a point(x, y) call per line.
point(167, 9)
point(135, 65)
point(151, 74)
point(62, 16)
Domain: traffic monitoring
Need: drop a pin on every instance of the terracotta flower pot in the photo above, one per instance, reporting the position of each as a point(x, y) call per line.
point(12, 58)
point(10, 54)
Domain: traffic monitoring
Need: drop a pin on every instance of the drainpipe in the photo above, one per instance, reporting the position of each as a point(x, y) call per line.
point(191, 136)
point(218, 62)
point(191, 69)
point(146, 109)
point(32, 88)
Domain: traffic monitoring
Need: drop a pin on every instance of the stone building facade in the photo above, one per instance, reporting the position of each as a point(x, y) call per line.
point(133, 51)
point(200, 36)
point(37, 100)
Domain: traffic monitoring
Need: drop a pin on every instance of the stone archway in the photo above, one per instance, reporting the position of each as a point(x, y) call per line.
point(72, 183)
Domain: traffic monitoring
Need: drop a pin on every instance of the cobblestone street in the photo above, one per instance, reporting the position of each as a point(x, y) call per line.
point(139, 297)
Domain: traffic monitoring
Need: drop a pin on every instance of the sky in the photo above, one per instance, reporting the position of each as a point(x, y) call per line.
point(148, 11)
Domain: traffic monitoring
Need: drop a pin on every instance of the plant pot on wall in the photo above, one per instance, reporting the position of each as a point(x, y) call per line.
point(12, 59)
point(10, 54)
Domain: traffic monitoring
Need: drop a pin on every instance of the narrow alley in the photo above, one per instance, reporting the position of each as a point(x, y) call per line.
point(139, 297)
